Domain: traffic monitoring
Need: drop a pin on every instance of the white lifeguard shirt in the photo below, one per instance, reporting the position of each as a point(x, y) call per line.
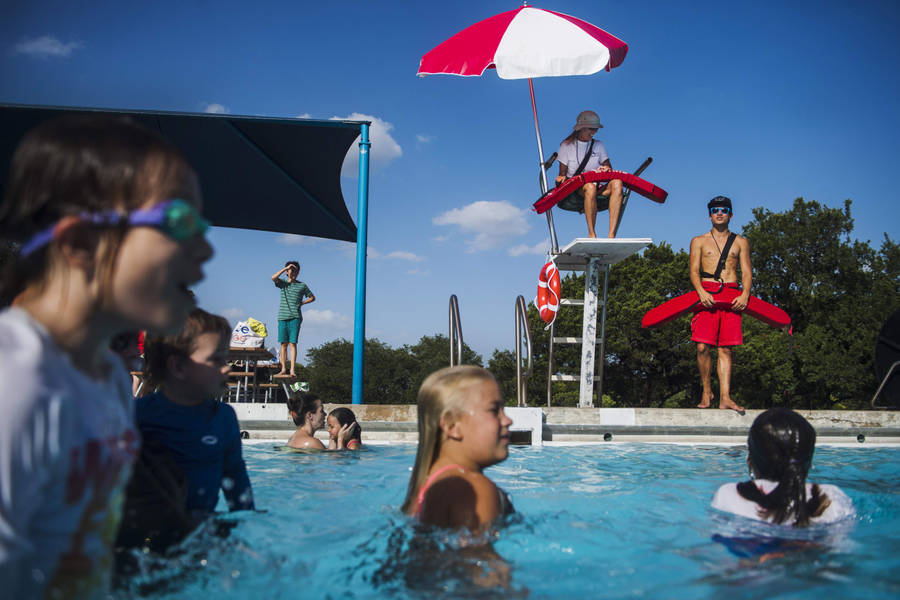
point(728, 499)
point(572, 154)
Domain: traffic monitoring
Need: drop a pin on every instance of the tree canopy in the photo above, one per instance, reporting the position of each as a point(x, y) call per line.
point(392, 375)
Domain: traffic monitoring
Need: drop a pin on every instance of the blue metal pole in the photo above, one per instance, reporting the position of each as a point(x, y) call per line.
point(362, 221)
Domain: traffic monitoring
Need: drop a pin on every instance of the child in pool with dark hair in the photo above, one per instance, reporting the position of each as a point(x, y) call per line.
point(184, 416)
point(344, 431)
point(106, 214)
point(780, 448)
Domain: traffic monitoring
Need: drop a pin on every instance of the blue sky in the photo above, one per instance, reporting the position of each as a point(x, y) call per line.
point(761, 101)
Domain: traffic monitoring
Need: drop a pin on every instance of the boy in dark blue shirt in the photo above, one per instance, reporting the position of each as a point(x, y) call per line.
point(183, 416)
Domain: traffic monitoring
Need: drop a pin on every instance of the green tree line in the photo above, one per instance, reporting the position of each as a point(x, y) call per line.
point(838, 292)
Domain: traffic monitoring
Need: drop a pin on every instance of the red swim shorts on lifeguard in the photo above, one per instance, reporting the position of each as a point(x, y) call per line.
point(717, 327)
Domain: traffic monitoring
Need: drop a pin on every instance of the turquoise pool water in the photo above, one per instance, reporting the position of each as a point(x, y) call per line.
point(599, 521)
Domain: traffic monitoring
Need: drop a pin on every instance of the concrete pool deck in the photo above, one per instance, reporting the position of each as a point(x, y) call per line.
point(535, 425)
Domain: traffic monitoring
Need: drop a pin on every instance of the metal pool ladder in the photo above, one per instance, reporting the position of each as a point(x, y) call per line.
point(523, 336)
point(456, 336)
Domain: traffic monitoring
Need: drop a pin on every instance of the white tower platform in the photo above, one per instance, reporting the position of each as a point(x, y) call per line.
point(590, 255)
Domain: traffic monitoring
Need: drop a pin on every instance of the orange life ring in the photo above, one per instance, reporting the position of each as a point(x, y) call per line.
point(548, 292)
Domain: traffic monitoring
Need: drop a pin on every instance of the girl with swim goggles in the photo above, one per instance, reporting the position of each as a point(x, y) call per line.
point(106, 213)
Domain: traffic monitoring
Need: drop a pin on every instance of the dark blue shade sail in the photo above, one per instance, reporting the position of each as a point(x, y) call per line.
point(270, 174)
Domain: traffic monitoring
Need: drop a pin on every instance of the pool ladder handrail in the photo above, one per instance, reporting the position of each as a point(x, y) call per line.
point(881, 387)
point(522, 327)
point(456, 336)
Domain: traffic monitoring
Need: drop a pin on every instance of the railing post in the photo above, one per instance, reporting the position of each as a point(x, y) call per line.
point(456, 337)
point(362, 221)
point(522, 378)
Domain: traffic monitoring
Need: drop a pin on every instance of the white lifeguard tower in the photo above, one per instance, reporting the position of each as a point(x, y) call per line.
point(590, 255)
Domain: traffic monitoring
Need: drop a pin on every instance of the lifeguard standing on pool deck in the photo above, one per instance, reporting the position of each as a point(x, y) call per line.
point(294, 294)
point(581, 153)
point(714, 259)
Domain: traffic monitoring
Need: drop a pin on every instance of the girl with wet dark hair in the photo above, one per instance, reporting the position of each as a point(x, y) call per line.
point(780, 448)
point(344, 431)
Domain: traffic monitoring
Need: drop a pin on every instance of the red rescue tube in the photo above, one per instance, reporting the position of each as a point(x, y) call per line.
point(632, 182)
point(548, 292)
point(723, 294)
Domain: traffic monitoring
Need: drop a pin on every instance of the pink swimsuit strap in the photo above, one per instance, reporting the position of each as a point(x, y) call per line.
point(431, 479)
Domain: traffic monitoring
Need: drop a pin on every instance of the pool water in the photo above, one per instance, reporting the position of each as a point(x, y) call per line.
point(598, 521)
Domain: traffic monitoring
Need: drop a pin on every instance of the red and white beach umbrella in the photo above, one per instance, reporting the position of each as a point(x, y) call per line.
point(524, 43)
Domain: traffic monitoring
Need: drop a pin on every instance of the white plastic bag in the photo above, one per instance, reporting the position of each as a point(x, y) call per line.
point(243, 336)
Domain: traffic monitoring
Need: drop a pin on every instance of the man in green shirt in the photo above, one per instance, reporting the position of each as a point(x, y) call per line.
point(294, 294)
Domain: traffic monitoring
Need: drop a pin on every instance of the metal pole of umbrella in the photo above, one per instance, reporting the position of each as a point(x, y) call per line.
point(362, 221)
point(537, 131)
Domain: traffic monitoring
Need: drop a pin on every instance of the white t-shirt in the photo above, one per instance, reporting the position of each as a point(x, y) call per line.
point(67, 444)
point(572, 154)
point(729, 500)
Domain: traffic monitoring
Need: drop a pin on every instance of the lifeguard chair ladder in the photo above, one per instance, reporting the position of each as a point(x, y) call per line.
point(590, 255)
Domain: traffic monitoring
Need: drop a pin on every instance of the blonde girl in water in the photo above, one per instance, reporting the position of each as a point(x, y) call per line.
point(462, 431)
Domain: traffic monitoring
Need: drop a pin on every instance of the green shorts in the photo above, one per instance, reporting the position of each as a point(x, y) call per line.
point(288, 331)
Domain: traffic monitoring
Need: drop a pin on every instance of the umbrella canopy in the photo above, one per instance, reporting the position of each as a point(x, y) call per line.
point(524, 43)
point(269, 174)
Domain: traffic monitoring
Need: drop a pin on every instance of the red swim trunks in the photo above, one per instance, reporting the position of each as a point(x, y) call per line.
point(717, 326)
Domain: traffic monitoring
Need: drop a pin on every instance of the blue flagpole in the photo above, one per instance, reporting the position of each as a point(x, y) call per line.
point(362, 220)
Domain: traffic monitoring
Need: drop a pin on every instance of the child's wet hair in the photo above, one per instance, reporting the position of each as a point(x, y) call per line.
point(780, 448)
point(85, 163)
point(158, 349)
point(345, 416)
point(301, 404)
point(443, 393)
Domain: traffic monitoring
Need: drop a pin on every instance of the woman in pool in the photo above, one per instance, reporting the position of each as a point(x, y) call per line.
point(309, 416)
point(780, 448)
point(462, 431)
point(344, 431)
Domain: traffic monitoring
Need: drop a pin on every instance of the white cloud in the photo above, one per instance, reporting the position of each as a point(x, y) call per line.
point(540, 249)
point(440, 239)
point(215, 108)
point(491, 223)
point(304, 116)
point(384, 148)
point(326, 319)
point(234, 315)
point(373, 254)
point(292, 239)
point(403, 255)
point(46, 46)
point(419, 272)
point(424, 138)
